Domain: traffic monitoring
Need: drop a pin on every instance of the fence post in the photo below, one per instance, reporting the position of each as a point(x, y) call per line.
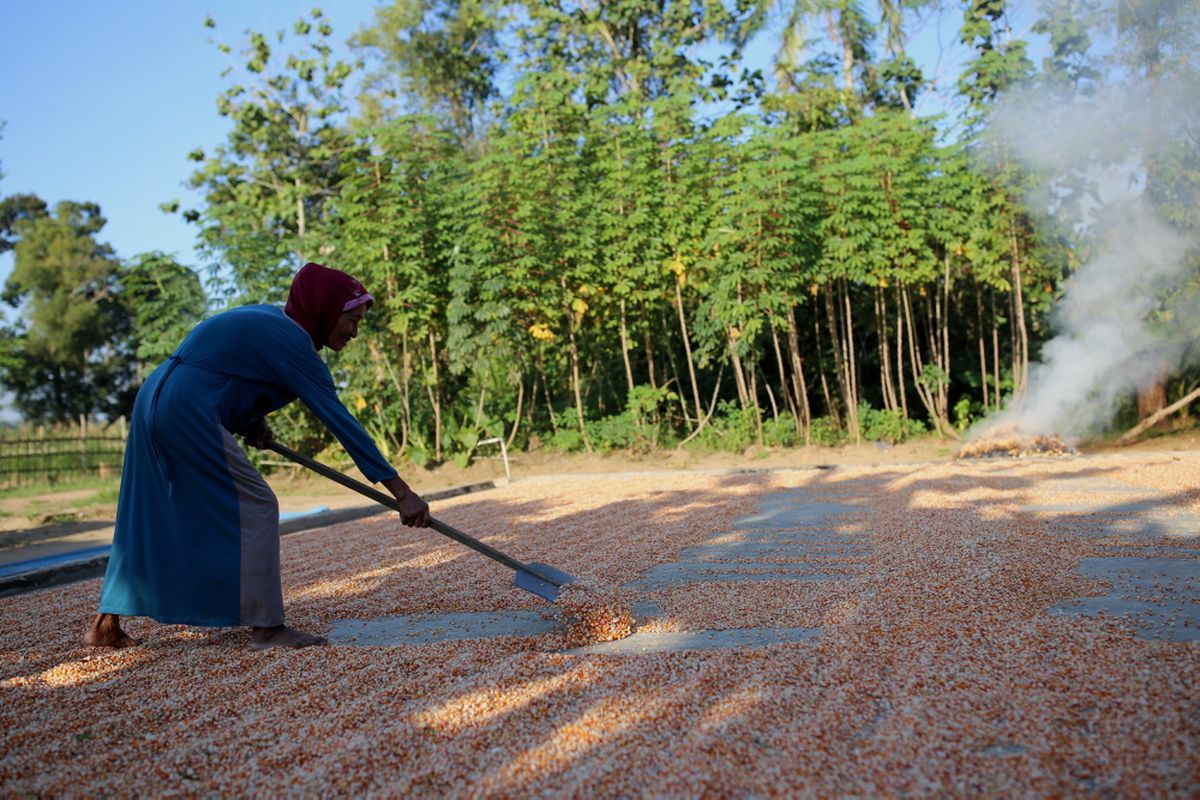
point(503, 453)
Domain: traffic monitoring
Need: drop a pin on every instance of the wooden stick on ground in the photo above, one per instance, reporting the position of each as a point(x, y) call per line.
point(1128, 436)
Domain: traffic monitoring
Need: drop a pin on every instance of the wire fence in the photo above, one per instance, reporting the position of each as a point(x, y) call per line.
point(29, 460)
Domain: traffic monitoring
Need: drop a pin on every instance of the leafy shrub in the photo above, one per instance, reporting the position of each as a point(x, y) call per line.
point(731, 429)
point(964, 413)
point(566, 440)
point(633, 429)
point(780, 432)
point(876, 425)
point(826, 433)
point(616, 432)
point(645, 400)
point(933, 377)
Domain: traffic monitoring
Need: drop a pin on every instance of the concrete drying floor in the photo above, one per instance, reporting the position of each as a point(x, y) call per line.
point(998, 627)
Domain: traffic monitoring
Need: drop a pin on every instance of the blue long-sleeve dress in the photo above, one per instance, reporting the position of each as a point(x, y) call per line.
point(196, 539)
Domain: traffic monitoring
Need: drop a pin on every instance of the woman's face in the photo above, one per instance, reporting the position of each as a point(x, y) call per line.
point(346, 328)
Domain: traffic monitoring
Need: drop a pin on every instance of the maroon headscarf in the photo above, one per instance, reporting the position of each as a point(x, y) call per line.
point(318, 297)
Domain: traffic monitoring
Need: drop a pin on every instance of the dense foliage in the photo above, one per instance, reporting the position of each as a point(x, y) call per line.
point(596, 227)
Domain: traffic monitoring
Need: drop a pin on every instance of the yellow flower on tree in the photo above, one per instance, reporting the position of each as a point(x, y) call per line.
point(676, 265)
point(541, 331)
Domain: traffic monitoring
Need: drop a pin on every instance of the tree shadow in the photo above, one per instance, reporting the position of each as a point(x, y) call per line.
point(947, 632)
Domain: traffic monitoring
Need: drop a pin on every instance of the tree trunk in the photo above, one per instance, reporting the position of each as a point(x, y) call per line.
point(844, 41)
point(687, 349)
point(532, 401)
point(770, 395)
point(516, 417)
point(900, 387)
point(402, 385)
point(739, 376)
point(1153, 398)
point(546, 395)
point(885, 367)
point(575, 381)
point(851, 363)
point(946, 305)
point(983, 364)
point(918, 366)
point(1021, 357)
point(435, 398)
point(798, 383)
point(995, 354)
point(383, 369)
point(830, 405)
point(835, 334)
point(943, 338)
point(933, 314)
point(479, 406)
point(787, 396)
point(850, 382)
point(674, 372)
point(301, 222)
point(758, 422)
point(711, 406)
point(625, 349)
point(406, 371)
point(1158, 416)
point(650, 358)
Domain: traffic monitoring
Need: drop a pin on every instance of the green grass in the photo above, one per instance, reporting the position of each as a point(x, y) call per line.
point(106, 489)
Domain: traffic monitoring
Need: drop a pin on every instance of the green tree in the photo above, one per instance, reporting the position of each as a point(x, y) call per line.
point(68, 354)
point(628, 214)
point(542, 162)
point(14, 209)
point(392, 221)
point(265, 189)
point(165, 300)
point(1000, 65)
point(1158, 70)
point(444, 57)
point(1157, 46)
point(762, 247)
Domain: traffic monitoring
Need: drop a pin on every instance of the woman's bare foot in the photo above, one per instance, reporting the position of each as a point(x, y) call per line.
point(283, 636)
point(106, 632)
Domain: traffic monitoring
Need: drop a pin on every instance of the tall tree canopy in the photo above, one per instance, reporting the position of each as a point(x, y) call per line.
point(596, 226)
point(66, 354)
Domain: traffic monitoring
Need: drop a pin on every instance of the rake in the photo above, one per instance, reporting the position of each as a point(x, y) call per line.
point(540, 579)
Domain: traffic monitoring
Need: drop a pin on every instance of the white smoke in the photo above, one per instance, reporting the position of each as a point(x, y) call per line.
point(1108, 342)
point(1106, 347)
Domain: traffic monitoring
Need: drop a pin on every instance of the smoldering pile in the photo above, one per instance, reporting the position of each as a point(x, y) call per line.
point(1010, 441)
point(592, 614)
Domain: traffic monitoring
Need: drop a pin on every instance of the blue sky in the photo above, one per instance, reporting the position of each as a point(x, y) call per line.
point(103, 101)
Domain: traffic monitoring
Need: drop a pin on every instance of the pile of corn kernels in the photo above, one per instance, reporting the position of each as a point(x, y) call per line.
point(592, 614)
point(937, 669)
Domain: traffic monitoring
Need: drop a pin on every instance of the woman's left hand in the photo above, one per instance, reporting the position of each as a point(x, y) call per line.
point(257, 434)
point(414, 511)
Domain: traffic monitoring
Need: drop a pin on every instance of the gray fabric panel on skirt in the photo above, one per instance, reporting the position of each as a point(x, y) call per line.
point(261, 590)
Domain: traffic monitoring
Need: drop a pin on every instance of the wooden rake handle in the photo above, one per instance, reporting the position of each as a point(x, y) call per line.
point(392, 503)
